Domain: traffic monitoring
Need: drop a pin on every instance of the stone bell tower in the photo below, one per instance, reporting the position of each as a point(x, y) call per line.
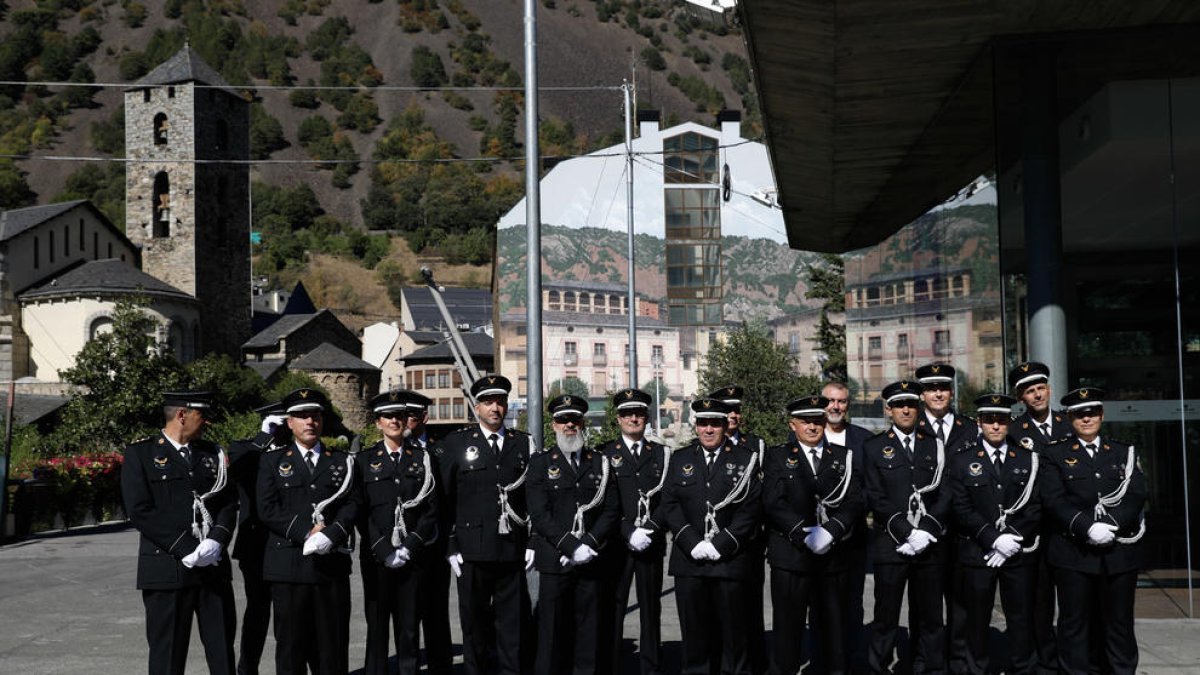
point(187, 192)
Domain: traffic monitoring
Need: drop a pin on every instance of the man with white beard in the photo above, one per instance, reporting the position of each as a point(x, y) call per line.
point(573, 508)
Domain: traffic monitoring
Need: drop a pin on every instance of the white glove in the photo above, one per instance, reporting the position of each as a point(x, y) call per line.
point(995, 558)
point(713, 554)
point(208, 553)
point(818, 540)
point(640, 539)
point(906, 549)
point(317, 543)
point(1101, 534)
point(272, 422)
point(398, 558)
point(529, 559)
point(920, 540)
point(456, 562)
point(565, 561)
point(1008, 545)
point(189, 560)
point(700, 551)
point(583, 554)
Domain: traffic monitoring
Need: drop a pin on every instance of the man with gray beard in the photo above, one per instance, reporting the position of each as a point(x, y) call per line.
point(573, 508)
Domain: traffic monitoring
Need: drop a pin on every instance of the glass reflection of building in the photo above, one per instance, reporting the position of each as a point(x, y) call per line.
point(692, 201)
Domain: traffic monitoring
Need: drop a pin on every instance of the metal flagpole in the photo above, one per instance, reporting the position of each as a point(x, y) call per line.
point(533, 233)
point(632, 355)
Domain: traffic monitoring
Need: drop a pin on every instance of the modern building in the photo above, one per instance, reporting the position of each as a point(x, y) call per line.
point(1083, 120)
point(432, 371)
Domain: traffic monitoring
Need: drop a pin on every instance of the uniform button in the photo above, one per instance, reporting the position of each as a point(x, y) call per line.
point(1097, 475)
point(312, 487)
point(396, 480)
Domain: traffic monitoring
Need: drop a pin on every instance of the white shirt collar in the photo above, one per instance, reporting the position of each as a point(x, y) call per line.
point(902, 435)
point(947, 419)
point(488, 434)
point(629, 441)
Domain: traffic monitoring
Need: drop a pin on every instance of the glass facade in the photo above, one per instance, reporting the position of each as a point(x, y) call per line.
point(693, 230)
point(690, 158)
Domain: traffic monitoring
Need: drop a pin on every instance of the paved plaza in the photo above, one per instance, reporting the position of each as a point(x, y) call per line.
point(68, 605)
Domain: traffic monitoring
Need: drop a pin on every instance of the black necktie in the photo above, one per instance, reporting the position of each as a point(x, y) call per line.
point(186, 452)
point(312, 460)
point(1091, 448)
point(575, 461)
point(997, 459)
point(816, 459)
point(1045, 427)
point(494, 439)
point(908, 446)
point(711, 456)
point(941, 433)
point(634, 449)
point(395, 456)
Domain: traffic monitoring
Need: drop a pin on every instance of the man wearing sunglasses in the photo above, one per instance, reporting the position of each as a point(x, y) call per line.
point(904, 468)
point(711, 505)
point(639, 465)
point(1094, 492)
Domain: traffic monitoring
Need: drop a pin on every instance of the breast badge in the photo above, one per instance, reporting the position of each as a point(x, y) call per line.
point(792, 462)
point(554, 473)
point(160, 461)
point(688, 470)
point(375, 467)
point(472, 453)
point(976, 469)
point(889, 452)
point(1027, 443)
point(617, 461)
point(286, 470)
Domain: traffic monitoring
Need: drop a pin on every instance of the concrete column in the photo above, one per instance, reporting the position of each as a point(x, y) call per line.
point(1042, 196)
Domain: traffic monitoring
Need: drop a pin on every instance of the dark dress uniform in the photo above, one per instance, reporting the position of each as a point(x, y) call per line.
point(573, 601)
point(855, 550)
point(802, 581)
point(712, 595)
point(639, 481)
point(159, 486)
point(1093, 580)
point(249, 547)
point(890, 476)
point(310, 594)
point(433, 607)
point(407, 482)
point(982, 494)
point(757, 547)
point(492, 596)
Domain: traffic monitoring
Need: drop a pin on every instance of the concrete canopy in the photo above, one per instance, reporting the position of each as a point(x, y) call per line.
point(876, 110)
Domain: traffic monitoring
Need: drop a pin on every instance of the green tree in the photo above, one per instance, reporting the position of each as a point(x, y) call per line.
point(427, 69)
point(235, 387)
point(567, 385)
point(653, 59)
point(749, 357)
point(266, 133)
point(827, 282)
point(121, 375)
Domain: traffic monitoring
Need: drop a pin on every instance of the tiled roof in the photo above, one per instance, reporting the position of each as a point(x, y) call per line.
point(328, 357)
point(16, 221)
point(478, 345)
point(472, 306)
point(185, 66)
point(109, 276)
point(283, 327)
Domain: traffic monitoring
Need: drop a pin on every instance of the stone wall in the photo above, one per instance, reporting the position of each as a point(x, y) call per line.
point(350, 392)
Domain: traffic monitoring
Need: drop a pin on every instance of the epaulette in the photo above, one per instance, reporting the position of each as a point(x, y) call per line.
point(141, 440)
point(517, 432)
point(1058, 441)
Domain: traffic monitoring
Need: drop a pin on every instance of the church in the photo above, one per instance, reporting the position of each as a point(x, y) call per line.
point(185, 245)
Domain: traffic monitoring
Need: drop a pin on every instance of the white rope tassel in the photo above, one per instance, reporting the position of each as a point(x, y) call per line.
point(507, 514)
point(1002, 521)
point(737, 494)
point(1103, 502)
point(916, 501)
point(201, 519)
point(317, 517)
point(400, 529)
point(643, 505)
point(831, 502)
point(577, 528)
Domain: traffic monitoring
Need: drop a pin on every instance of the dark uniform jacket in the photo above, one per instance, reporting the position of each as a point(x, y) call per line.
point(687, 495)
point(963, 432)
point(287, 493)
point(244, 458)
point(979, 492)
point(1024, 428)
point(555, 491)
point(471, 480)
point(753, 442)
point(158, 485)
point(1070, 483)
point(791, 493)
point(634, 476)
point(385, 485)
point(890, 476)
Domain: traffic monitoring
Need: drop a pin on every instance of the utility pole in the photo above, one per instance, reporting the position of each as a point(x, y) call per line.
point(633, 358)
point(533, 235)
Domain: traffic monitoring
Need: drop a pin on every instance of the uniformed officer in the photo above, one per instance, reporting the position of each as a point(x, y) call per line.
point(903, 470)
point(399, 501)
point(1094, 492)
point(1038, 426)
point(433, 610)
point(954, 431)
point(738, 434)
point(812, 499)
point(483, 469)
point(998, 511)
point(308, 502)
point(251, 542)
point(712, 506)
point(573, 509)
point(640, 467)
point(178, 495)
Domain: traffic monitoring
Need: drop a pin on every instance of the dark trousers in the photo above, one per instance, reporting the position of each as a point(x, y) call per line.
point(368, 571)
point(395, 605)
point(755, 626)
point(433, 614)
point(647, 572)
point(256, 618)
point(312, 627)
point(490, 597)
point(1044, 604)
point(569, 612)
point(1016, 598)
point(712, 625)
point(956, 613)
point(854, 636)
point(169, 626)
point(927, 636)
point(820, 596)
point(1102, 602)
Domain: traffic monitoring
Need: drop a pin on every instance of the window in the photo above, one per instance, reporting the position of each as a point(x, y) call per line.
point(553, 301)
point(690, 158)
point(161, 125)
point(100, 326)
point(443, 379)
point(656, 354)
point(599, 355)
point(66, 240)
point(902, 346)
point(694, 271)
point(941, 343)
point(459, 409)
point(794, 343)
point(570, 357)
point(430, 379)
point(50, 248)
point(692, 213)
point(568, 301)
point(95, 246)
point(145, 95)
point(162, 206)
point(875, 348)
point(444, 409)
point(110, 249)
point(82, 239)
point(37, 254)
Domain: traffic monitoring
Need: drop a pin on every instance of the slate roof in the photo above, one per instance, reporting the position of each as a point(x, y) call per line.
point(16, 221)
point(479, 345)
point(266, 369)
point(329, 357)
point(472, 306)
point(105, 277)
point(185, 66)
point(283, 327)
point(29, 408)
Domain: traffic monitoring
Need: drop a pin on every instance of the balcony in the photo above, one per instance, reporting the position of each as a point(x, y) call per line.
point(599, 360)
point(875, 354)
point(571, 360)
point(942, 349)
